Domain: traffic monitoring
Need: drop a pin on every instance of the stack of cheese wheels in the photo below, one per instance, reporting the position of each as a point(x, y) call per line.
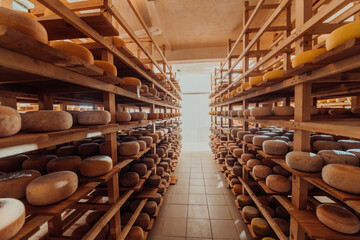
point(13, 184)
point(325, 145)
point(283, 111)
point(12, 212)
point(129, 179)
point(137, 116)
point(96, 166)
point(122, 117)
point(338, 218)
point(130, 83)
point(67, 163)
point(275, 147)
point(108, 67)
point(128, 148)
point(46, 121)
point(342, 177)
point(304, 161)
point(273, 75)
point(12, 163)
point(74, 50)
point(254, 81)
point(278, 183)
point(10, 120)
point(340, 157)
point(343, 34)
point(23, 23)
point(307, 57)
point(51, 188)
point(96, 117)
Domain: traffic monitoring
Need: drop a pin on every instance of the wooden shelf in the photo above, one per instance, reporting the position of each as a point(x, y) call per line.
point(31, 226)
point(147, 192)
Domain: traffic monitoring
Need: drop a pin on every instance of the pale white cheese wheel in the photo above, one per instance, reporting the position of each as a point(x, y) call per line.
point(122, 117)
point(137, 116)
point(304, 161)
point(13, 184)
point(96, 117)
point(338, 218)
point(340, 157)
point(128, 148)
point(12, 163)
point(275, 147)
point(278, 183)
point(349, 144)
point(96, 166)
point(260, 111)
point(66, 163)
point(248, 138)
point(10, 121)
point(46, 121)
point(51, 188)
point(259, 139)
point(283, 110)
point(261, 171)
point(325, 145)
point(343, 177)
point(12, 213)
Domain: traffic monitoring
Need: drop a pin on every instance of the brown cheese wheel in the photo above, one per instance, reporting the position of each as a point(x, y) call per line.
point(243, 200)
point(66, 151)
point(10, 121)
point(142, 145)
point(152, 116)
point(252, 163)
point(129, 179)
point(343, 177)
point(338, 157)
point(137, 116)
point(12, 163)
point(161, 188)
point(147, 139)
point(13, 185)
point(67, 163)
point(349, 144)
point(154, 180)
point(259, 139)
point(135, 233)
point(122, 117)
point(150, 207)
point(275, 147)
point(46, 121)
point(143, 220)
point(139, 168)
point(96, 117)
point(325, 145)
point(77, 143)
point(261, 171)
point(93, 217)
point(247, 156)
point(128, 148)
point(157, 198)
point(250, 212)
point(88, 149)
point(154, 136)
point(129, 139)
point(159, 171)
point(304, 161)
point(96, 166)
point(74, 115)
point(153, 156)
point(14, 210)
point(237, 188)
point(281, 171)
point(149, 162)
point(38, 163)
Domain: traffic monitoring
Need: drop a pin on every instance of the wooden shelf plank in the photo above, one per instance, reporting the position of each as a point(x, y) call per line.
point(78, 65)
point(31, 226)
point(147, 192)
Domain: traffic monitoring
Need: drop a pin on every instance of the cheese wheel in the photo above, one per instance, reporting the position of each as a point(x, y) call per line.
point(73, 49)
point(343, 34)
point(278, 183)
point(261, 171)
point(66, 151)
point(129, 139)
point(130, 83)
point(118, 42)
point(153, 91)
point(135, 233)
point(250, 212)
point(154, 180)
point(338, 218)
point(77, 143)
point(142, 144)
point(259, 139)
point(325, 145)
point(342, 177)
point(270, 211)
point(237, 188)
point(14, 210)
point(254, 81)
point(108, 67)
point(248, 138)
point(24, 24)
point(246, 113)
point(95, 117)
point(139, 168)
point(247, 156)
point(234, 181)
point(244, 86)
point(128, 148)
point(243, 200)
point(283, 111)
point(153, 156)
point(354, 151)
point(307, 57)
point(93, 217)
point(240, 113)
point(150, 207)
point(304, 161)
point(252, 163)
point(122, 117)
point(10, 120)
point(281, 212)
point(237, 152)
point(283, 225)
point(339, 157)
point(67, 163)
point(51, 188)
point(322, 137)
point(260, 111)
point(349, 144)
point(137, 116)
point(159, 171)
point(152, 116)
point(260, 227)
point(45, 121)
point(12, 163)
point(275, 147)
point(96, 166)
point(275, 74)
point(149, 162)
point(237, 170)
point(88, 149)
point(37, 163)
point(129, 179)
point(143, 220)
point(13, 184)
point(241, 134)
point(157, 198)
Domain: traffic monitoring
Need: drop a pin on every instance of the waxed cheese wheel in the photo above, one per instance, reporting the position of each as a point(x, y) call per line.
point(143, 220)
point(12, 163)
point(108, 67)
point(275, 147)
point(250, 212)
point(259, 139)
point(10, 121)
point(253, 162)
point(150, 207)
point(343, 177)
point(46, 121)
point(261, 171)
point(142, 145)
point(260, 227)
point(122, 117)
point(278, 183)
point(129, 179)
point(325, 145)
point(147, 139)
point(237, 170)
point(304, 161)
point(96, 165)
point(128, 148)
point(283, 110)
point(38, 163)
point(66, 151)
point(149, 162)
point(137, 116)
point(338, 218)
point(13, 184)
point(240, 134)
point(247, 156)
point(95, 117)
point(349, 144)
point(51, 188)
point(88, 149)
point(260, 111)
point(139, 168)
point(340, 157)
point(67, 163)
point(283, 225)
point(135, 233)
point(130, 83)
point(248, 137)
point(12, 212)
point(307, 56)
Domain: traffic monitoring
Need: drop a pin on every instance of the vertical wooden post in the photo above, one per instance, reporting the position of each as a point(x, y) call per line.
point(46, 101)
point(286, 55)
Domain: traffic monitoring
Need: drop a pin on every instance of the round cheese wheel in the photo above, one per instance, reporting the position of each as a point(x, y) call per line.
point(237, 170)
point(252, 163)
point(37, 163)
point(235, 181)
point(343, 34)
point(139, 168)
point(322, 137)
point(338, 218)
point(128, 148)
point(93, 217)
point(143, 220)
point(237, 188)
point(131, 83)
point(250, 212)
point(153, 91)
point(247, 156)
point(354, 151)
point(129, 179)
point(246, 113)
point(254, 81)
point(278, 183)
point(153, 116)
point(281, 171)
point(12, 163)
point(275, 147)
point(13, 184)
point(248, 138)
point(283, 111)
point(283, 138)
point(283, 225)
point(142, 144)
point(88, 149)
point(307, 57)
point(325, 145)
point(137, 116)
point(122, 117)
point(118, 42)
point(66, 151)
point(95, 117)
point(157, 198)
point(241, 134)
point(342, 177)
point(10, 120)
point(164, 165)
point(275, 74)
point(67, 163)
point(108, 67)
point(96, 166)
point(77, 143)
point(259, 139)
point(270, 211)
point(340, 157)
point(149, 162)
point(153, 156)
point(73, 49)
point(261, 171)
point(129, 139)
point(304, 161)
point(260, 111)
point(154, 180)
point(51, 188)
point(135, 233)
point(154, 136)
point(150, 207)
point(161, 188)
point(45, 121)
point(244, 86)
point(243, 200)
point(159, 171)
point(237, 152)
point(14, 210)
point(260, 227)
point(349, 144)
point(281, 212)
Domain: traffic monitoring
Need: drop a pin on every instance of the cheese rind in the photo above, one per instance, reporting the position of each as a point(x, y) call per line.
point(261, 171)
point(283, 110)
point(307, 57)
point(73, 49)
point(339, 157)
point(12, 163)
point(13, 185)
point(278, 183)
point(96, 166)
point(131, 84)
point(343, 34)
point(275, 147)
point(46, 121)
point(14, 210)
point(304, 161)
point(343, 177)
point(10, 121)
point(260, 111)
point(275, 74)
point(254, 81)
point(122, 117)
point(325, 145)
point(95, 117)
point(108, 67)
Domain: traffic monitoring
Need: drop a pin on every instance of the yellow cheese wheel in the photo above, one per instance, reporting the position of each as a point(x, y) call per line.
point(73, 49)
point(307, 56)
point(250, 212)
point(343, 34)
point(130, 83)
point(13, 184)
point(237, 188)
point(24, 24)
point(244, 86)
point(13, 217)
point(10, 121)
point(276, 74)
point(260, 227)
point(107, 67)
point(244, 200)
point(278, 64)
point(254, 81)
point(96, 166)
point(118, 42)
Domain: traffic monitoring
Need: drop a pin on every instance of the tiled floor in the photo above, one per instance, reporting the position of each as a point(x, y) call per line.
point(199, 206)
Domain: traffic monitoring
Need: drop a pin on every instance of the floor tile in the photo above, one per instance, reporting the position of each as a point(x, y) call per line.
point(213, 199)
point(213, 190)
point(223, 229)
point(196, 175)
point(181, 189)
point(176, 211)
point(179, 198)
point(174, 227)
point(198, 211)
point(219, 212)
point(198, 228)
point(199, 199)
point(197, 189)
point(196, 182)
